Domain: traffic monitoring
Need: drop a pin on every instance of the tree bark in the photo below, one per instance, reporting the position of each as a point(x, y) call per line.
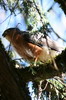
point(46, 70)
point(11, 88)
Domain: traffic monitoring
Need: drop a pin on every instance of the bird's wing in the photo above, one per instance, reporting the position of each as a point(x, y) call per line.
point(40, 40)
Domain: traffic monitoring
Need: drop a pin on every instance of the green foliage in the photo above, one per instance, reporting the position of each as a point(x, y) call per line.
point(58, 85)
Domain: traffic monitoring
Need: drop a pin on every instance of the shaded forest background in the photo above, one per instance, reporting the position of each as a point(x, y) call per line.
point(47, 82)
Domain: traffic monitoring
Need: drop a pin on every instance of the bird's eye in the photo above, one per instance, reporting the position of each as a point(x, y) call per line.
point(4, 34)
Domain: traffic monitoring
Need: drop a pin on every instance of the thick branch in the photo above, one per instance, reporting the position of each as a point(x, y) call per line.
point(45, 71)
point(11, 86)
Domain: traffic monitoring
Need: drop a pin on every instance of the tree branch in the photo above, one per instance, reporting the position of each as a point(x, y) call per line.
point(12, 87)
point(45, 71)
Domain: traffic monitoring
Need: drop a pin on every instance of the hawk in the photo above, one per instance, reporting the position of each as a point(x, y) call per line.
point(33, 47)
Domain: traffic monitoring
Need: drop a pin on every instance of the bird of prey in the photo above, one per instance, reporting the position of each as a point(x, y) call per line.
point(32, 47)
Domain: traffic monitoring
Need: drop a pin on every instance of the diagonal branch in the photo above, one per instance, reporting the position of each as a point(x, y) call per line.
point(45, 71)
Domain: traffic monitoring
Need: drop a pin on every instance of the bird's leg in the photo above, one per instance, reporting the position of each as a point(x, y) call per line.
point(37, 52)
point(35, 61)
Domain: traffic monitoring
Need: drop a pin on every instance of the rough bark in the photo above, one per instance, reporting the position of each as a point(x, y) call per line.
point(46, 70)
point(11, 87)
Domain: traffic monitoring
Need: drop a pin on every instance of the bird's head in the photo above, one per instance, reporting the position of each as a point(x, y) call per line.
point(9, 33)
